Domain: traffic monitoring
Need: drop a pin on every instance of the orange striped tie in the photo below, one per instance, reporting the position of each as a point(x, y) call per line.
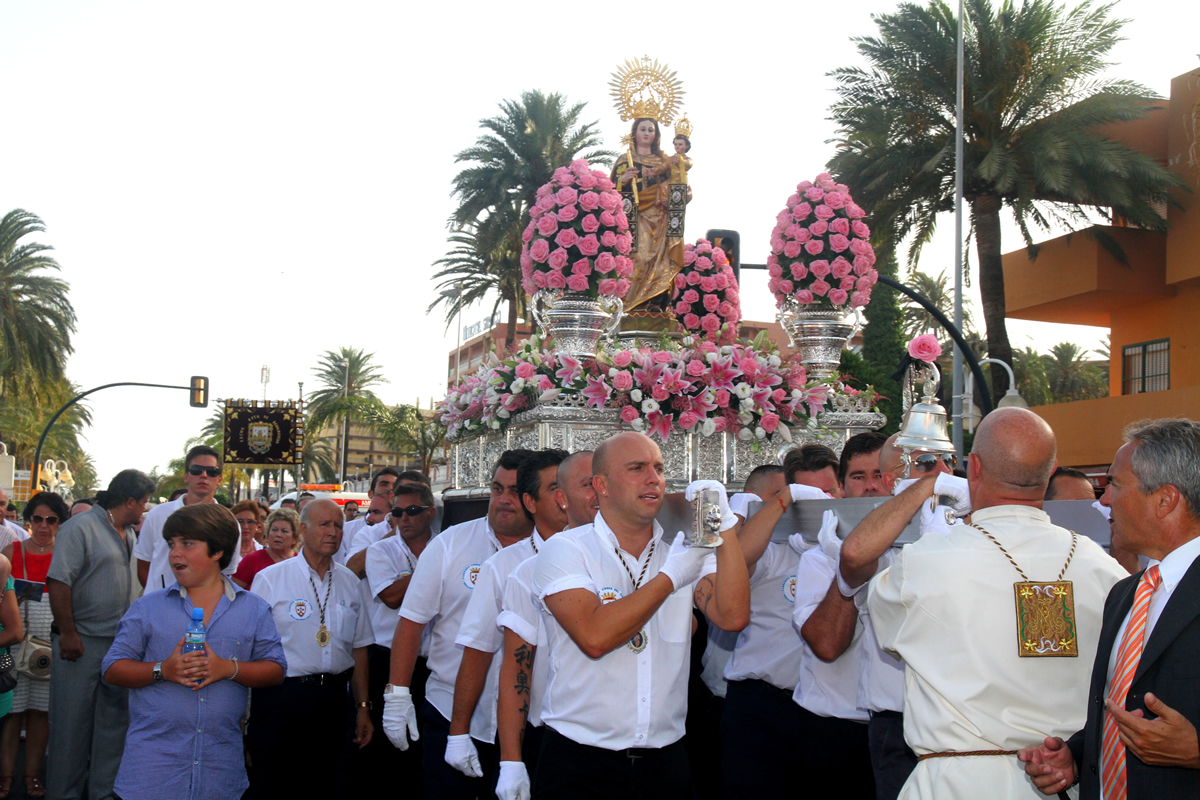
point(1112, 753)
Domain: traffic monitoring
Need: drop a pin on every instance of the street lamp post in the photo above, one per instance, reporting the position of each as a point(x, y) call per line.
point(1012, 398)
point(457, 293)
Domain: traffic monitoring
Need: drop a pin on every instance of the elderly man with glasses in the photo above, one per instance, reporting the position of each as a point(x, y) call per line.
point(202, 477)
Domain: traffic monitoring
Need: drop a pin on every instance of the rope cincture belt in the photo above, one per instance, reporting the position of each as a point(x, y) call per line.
point(949, 754)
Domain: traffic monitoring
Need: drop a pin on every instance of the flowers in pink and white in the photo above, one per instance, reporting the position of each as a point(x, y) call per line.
point(578, 236)
point(821, 253)
point(705, 295)
point(746, 389)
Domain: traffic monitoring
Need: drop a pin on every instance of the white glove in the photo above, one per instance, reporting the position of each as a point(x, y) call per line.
point(801, 491)
point(728, 520)
point(683, 563)
point(739, 502)
point(461, 754)
point(513, 783)
point(798, 543)
point(399, 716)
point(828, 538)
point(955, 488)
point(1104, 510)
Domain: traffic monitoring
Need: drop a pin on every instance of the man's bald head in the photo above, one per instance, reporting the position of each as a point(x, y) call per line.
point(1015, 450)
point(890, 456)
point(602, 459)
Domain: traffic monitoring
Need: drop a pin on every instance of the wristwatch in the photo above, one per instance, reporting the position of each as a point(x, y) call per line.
point(158, 675)
point(365, 704)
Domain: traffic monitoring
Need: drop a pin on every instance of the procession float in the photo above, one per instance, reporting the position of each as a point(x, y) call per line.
point(639, 329)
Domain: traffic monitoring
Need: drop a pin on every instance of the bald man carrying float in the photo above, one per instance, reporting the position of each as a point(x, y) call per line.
point(976, 690)
point(618, 602)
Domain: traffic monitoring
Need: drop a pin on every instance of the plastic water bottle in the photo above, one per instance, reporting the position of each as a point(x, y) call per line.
point(193, 638)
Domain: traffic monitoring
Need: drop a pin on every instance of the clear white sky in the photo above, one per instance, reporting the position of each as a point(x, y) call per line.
point(237, 183)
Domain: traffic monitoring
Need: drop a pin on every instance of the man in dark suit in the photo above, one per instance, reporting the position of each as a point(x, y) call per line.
point(1144, 704)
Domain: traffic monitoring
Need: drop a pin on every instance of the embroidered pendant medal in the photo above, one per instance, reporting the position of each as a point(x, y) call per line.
point(639, 641)
point(1045, 619)
point(323, 636)
point(1045, 611)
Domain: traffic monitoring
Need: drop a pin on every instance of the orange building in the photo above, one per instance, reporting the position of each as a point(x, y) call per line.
point(1151, 304)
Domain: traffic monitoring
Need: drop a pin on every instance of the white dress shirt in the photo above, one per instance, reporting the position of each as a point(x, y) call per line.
point(19, 534)
point(479, 629)
point(622, 699)
point(946, 607)
point(288, 587)
point(827, 689)
point(367, 535)
point(388, 561)
point(768, 649)
point(438, 594)
point(1171, 571)
point(349, 531)
point(521, 614)
point(152, 547)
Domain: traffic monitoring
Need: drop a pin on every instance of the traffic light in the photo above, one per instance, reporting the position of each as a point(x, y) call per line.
point(199, 392)
point(731, 243)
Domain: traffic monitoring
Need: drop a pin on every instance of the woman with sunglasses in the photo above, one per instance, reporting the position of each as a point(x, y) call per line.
point(283, 540)
point(31, 699)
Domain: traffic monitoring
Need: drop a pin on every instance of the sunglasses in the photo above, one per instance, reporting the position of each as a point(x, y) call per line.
point(927, 462)
point(411, 511)
point(37, 519)
point(197, 471)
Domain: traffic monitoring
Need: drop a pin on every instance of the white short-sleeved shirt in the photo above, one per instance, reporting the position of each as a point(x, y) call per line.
point(437, 596)
point(387, 561)
point(19, 534)
point(827, 689)
point(152, 547)
point(880, 676)
point(287, 586)
point(622, 699)
point(521, 614)
point(768, 649)
point(480, 631)
point(367, 535)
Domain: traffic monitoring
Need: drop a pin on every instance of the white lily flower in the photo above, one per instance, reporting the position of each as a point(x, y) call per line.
point(503, 413)
point(517, 386)
point(785, 432)
point(548, 395)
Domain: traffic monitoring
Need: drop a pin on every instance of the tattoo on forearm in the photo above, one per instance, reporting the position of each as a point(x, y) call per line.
point(525, 715)
point(522, 684)
point(704, 593)
point(523, 655)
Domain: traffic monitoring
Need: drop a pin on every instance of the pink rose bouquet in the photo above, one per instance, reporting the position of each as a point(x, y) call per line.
point(578, 237)
point(821, 252)
point(705, 295)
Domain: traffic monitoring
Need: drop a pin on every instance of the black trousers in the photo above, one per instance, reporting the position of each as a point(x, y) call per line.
point(837, 747)
point(760, 741)
point(442, 781)
point(568, 770)
point(892, 760)
point(379, 763)
point(531, 748)
point(295, 737)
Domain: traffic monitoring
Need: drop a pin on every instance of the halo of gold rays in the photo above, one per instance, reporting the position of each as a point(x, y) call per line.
point(645, 88)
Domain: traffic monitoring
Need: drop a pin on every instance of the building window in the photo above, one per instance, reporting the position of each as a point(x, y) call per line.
point(1146, 367)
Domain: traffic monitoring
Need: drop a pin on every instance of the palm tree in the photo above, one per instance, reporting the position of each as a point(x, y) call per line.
point(1071, 376)
point(917, 320)
point(406, 429)
point(1033, 103)
point(1029, 368)
point(344, 375)
point(523, 146)
point(36, 318)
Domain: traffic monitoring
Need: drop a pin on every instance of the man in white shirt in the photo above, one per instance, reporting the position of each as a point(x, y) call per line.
point(437, 597)
point(325, 629)
point(947, 606)
point(523, 676)
point(376, 524)
point(479, 635)
point(202, 477)
point(10, 531)
point(382, 483)
point(390, 563)
point(1143, 710)
point(619, 633)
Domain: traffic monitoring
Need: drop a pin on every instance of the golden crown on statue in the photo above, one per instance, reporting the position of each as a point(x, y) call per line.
point(643, 88)
point(684, 126)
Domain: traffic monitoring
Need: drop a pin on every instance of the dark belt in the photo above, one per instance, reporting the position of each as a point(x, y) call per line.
point(759, 686)
point(320, 678)
point(888, 714)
